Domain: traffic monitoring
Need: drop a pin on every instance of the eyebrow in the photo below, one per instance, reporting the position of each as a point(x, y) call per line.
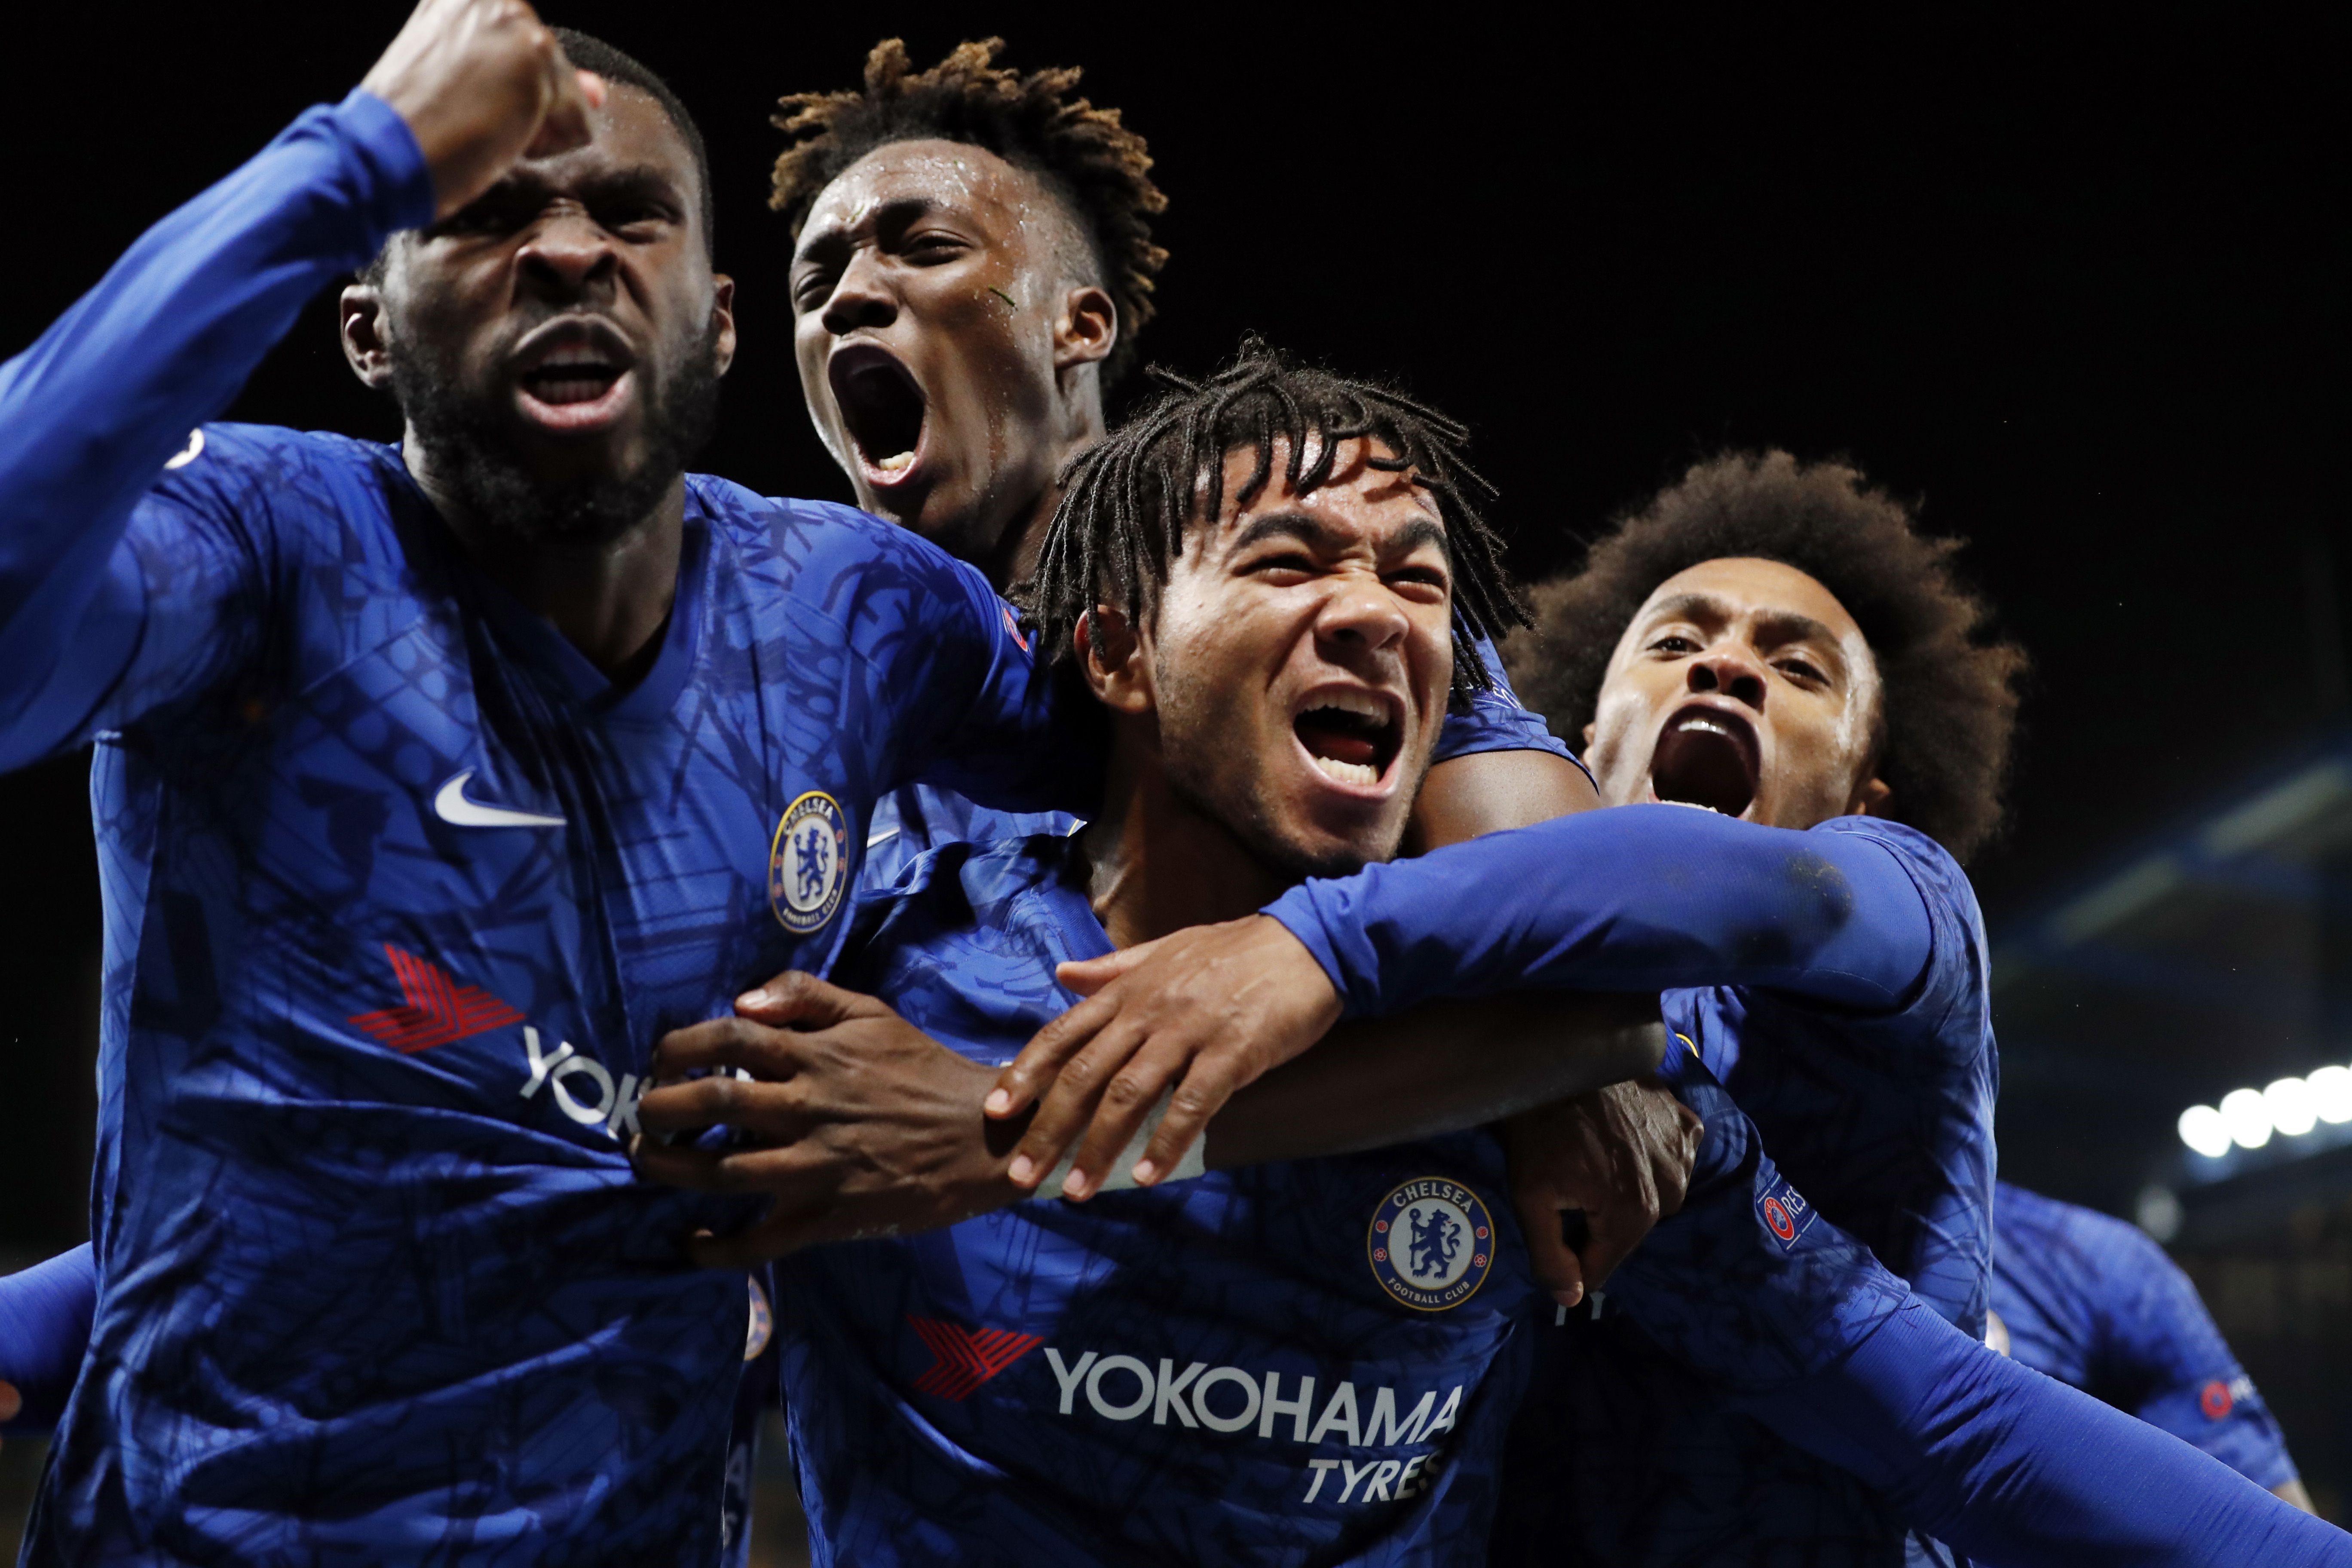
point(524, 184)
point(1776, 625)
point(897, 213)
point(1316, 535)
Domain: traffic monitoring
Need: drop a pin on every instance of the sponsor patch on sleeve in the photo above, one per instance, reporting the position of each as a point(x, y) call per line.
point(1784, 1213)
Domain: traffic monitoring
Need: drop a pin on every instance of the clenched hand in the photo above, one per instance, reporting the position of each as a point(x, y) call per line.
point(1616, 1161)
point(481, 84)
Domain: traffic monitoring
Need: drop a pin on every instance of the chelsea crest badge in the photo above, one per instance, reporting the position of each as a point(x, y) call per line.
point(1432, 1244)
point(808, 863)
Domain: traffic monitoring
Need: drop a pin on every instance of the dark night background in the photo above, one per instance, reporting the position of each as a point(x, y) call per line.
point(2078, 286)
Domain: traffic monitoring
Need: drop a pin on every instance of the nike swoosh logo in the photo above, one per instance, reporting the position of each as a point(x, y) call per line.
point(452, 806)
point(883, 836)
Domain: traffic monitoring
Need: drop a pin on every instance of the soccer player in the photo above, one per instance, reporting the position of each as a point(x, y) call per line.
point(1311, 1360)
point(434, 782)
point(2092, 1301)
point(1779, 646)
point(973, 264)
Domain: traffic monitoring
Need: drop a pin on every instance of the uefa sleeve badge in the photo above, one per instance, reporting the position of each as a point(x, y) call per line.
point(808, 863)
point(1432, 1244)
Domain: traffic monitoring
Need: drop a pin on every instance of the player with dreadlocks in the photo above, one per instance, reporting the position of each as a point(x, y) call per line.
point(1261, 586)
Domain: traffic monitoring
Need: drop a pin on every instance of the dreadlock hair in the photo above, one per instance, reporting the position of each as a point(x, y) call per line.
point(1128, 500)
point(1094, 166)
point(593, 54)
point(1947, 703)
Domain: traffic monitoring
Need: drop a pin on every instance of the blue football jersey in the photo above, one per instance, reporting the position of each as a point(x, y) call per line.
point(1302, 1362)
point(2092, 1301)
point(399, 894)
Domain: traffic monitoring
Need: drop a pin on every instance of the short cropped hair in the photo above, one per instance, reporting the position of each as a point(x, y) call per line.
point(1947, 688)
point(1094, 166)
point(1128, 500)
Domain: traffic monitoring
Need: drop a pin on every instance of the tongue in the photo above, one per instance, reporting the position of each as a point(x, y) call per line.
point(1327, 740)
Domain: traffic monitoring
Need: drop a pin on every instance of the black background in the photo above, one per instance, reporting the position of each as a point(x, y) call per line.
point(2079, 287)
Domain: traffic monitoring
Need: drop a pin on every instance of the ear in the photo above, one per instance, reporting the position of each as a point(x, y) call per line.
point(359, 316)
point(1085, 329)
point(722, 315)
point(1112, 657)
point(1588, 740)
point(1870, 799)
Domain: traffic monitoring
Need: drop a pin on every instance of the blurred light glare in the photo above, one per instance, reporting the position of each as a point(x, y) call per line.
point(2159, 1210)
point(2289, 1103)
point(2247, 1116)
point(2203, 1129)
point(2331, 1094)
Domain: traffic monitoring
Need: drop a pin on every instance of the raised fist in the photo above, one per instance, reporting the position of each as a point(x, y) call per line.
point(481, 84)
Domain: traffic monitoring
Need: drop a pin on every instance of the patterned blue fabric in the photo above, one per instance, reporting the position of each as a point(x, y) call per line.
point(2094, 1303)
point(399, 894)
point(918, 818)
point(1090, 1384)
point(1209, 1371)
point(1847, 1016)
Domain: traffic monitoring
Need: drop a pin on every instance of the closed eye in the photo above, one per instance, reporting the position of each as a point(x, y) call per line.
point(1673, 642)
point(1797, 669)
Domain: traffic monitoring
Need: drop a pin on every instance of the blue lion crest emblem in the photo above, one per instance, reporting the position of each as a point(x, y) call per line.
point(1431, 1242)
point(808, 863)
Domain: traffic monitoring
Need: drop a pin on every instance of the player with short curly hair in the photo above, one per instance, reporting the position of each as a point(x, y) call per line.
point(1950, 695)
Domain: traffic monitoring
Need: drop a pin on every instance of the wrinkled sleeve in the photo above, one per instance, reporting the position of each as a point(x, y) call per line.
point(45, 1316)
point(111, 596)
point(2017, 1469)
point(1646, 897)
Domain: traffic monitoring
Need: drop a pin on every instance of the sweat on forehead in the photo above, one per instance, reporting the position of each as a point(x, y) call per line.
point(900, 181)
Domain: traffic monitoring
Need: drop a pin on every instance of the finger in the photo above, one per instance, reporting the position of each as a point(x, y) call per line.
point(1617, 1229)
point(801, 1001)
point(564, 124)
point(592, 88)
point(1118, 1115)
point(719, 1044)
point(795, 1175)
point(1207, 1085)
point(1087, 975)
point(1041, 1061)
point(1556, 1267)
point(1069, 1103)
point(773, 1111)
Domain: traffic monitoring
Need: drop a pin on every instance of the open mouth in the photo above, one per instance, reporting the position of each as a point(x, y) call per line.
point(1351, 736)
point(575, 373)
point(883, 409)
point(1708, 756)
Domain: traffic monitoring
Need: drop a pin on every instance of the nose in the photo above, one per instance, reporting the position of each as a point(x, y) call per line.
point(1733, 674)
point(569, 257)
point(1360, 615)
point(861, 298)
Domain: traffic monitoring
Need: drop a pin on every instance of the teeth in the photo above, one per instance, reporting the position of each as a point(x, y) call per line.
point(896, 463)
point(1348, 772)
point(1363, 704)
point(1705, 726)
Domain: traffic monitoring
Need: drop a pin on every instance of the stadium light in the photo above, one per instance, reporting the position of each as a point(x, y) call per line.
point(2248, 1117)
point(2289, 1103)
point(2203, 1129)
point(2331, 1094)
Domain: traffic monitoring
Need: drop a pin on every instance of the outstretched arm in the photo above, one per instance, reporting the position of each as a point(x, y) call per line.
point(2016, 1469)
point(98, 409)
point(45, 1317)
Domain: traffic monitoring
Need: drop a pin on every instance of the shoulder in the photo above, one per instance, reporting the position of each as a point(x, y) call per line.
point(264, 464)
point(1943, 885)
point(816, 541)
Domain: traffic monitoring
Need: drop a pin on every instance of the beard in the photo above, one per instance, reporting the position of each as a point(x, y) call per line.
point(470, 437)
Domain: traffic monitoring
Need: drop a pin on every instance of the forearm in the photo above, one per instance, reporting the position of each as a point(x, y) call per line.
point(2014, 1468)
point(45, 1316)
point(1438, 1068)
point(1634, 898)
point(90, 413)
